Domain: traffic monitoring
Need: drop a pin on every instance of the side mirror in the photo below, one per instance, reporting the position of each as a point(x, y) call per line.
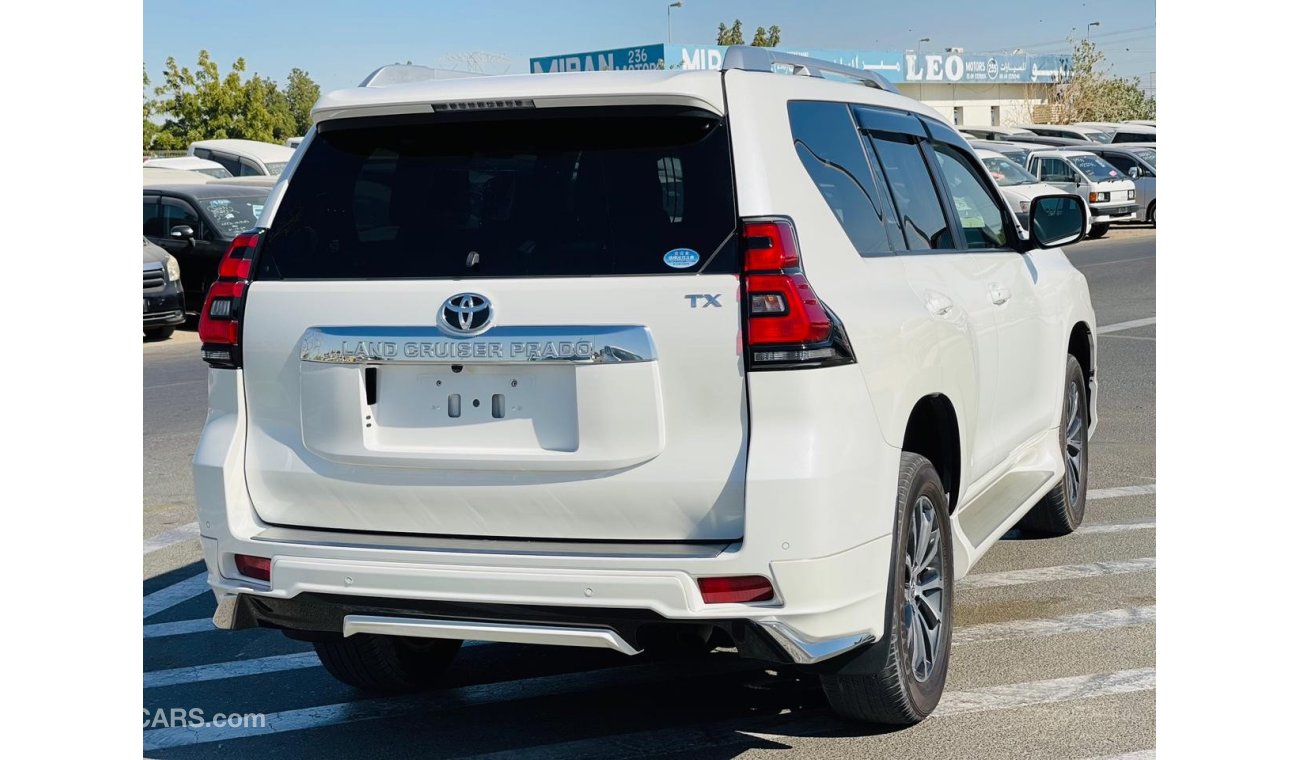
point(1134, 172)
point(1056, 220)
point(182, 232)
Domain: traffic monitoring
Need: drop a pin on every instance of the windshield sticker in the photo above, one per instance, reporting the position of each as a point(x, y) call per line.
point(681, 258)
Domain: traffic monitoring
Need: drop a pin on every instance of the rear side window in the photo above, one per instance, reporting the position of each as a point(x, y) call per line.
point(577, 192)
point(827, 141)
point(978, 214)
point(919, 209)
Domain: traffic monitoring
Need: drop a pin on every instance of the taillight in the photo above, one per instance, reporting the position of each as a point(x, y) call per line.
point(787, 325)
point(219, 320)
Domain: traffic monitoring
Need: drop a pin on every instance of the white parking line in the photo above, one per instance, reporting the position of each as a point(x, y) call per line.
point(174, 594)
point(1116, 528)
point(1078, 623)
point(234, 669)
point(1129, 325)
point(1143, 754)
point(684, 739)
point(466, 696)
point(1046, 692)
point(173, 536)
point(178, 628)
point(1056, 573)
point(1113, 493)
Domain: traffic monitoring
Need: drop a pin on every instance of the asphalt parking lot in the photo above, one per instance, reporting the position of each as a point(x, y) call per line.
point(1054, 646)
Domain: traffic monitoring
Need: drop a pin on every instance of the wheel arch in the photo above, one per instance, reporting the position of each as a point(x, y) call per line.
point(1083, 347)
point(932, 431)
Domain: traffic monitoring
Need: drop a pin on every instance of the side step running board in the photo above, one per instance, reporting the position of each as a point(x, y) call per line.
point(598, 638)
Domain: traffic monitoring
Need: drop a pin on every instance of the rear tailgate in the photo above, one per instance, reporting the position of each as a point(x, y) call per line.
point(517, 327)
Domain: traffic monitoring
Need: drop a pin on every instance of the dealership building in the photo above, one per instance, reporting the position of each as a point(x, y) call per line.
point(973, 89)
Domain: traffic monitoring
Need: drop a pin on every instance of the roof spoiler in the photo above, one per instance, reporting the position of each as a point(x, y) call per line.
point(747, 58)
point(398, 73)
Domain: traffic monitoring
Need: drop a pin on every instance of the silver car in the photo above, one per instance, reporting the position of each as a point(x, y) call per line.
point(1138, 161)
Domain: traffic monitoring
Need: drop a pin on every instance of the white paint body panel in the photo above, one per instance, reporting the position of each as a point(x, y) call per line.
point(796, 470)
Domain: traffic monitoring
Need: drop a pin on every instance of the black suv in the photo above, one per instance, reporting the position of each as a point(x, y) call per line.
point(195, 223)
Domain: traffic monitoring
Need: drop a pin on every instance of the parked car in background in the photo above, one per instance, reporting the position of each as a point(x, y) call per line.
point(1145, 122)
point(1017, 152)
point(154, 175)
point(1111, 196)
point(195, 223)
point(1017, 185)
point(1090, 134)
point(244, 157)
point(1125, 133)
point(164, 302)
point(190, 164)
point(994, 133)
point(1138, 162)
point(1059, 142)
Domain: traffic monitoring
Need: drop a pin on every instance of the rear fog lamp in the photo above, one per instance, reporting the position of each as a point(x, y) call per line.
point(736, 588)
point(257, 568)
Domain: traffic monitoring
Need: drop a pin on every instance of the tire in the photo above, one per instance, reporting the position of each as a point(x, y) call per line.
point(386, 664)
point(159, 333)
point(1151, 214)
point(1098, 230)
point(1061, 510)
point(899, 693)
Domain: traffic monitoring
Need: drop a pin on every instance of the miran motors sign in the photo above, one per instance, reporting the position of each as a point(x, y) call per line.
point(897, 67)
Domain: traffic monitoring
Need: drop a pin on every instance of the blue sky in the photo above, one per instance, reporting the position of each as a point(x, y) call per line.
point(339, 42)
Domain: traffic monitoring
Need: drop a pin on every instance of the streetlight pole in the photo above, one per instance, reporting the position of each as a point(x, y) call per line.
point(1088, 31)
point(677, 4)
point(921, 59)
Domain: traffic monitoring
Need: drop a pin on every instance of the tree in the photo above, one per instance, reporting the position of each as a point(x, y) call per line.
point(735, 35)
point(202, 104)
point(1090, 93)
point(302, 93)
point(150, 127)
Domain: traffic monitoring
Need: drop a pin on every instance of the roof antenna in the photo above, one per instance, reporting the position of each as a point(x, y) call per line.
point(471, 261)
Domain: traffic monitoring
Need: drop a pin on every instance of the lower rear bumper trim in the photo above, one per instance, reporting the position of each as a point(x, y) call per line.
point(804, 652)
point(511, 633)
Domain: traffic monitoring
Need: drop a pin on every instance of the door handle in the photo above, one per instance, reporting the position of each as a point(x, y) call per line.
point(938, 304)
point(999, 295)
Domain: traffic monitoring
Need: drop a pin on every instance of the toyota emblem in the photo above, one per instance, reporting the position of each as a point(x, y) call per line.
point(465, 315)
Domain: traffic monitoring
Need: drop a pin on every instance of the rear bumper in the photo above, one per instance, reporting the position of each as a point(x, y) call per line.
point(819, 526)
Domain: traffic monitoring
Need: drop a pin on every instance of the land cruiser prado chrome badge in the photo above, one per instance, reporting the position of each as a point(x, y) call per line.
point(465, 315)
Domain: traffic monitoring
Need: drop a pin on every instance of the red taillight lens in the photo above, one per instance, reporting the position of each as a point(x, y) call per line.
point(770, 246)
point(737, 588)
point(257, 568)
point(787, 323)
point(219, 320)
point(803, 320)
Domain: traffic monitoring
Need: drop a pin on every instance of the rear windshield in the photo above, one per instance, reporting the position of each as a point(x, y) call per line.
point(235, 214)
point(614, 191)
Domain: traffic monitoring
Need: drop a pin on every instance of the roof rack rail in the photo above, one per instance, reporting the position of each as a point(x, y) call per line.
point(398, 73)
point(747, 58)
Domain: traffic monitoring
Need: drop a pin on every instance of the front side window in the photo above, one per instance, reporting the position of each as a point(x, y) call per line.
point(1095, 168)
point(919, 209)
point(1055, 170)
point(1121, 162)
point(179, 213)
point(978, 213)
point(827, 142)
point(565, 193)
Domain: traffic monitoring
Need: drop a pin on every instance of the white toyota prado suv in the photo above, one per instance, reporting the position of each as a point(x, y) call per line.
point(653, 360)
